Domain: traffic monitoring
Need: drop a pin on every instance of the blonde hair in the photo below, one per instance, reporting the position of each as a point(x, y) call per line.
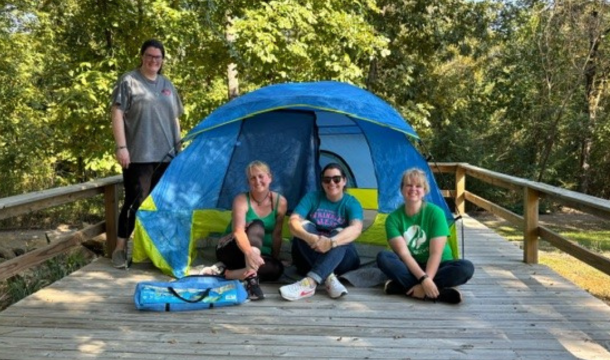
point(415, 176)
point(258, 165)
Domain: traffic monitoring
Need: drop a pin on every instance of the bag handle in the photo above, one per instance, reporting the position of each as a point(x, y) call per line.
point(192, 301)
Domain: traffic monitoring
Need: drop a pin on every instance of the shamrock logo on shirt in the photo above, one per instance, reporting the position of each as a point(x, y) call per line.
point(415, 237)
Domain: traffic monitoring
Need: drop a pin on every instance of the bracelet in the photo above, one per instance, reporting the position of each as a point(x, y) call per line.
point(120, 147)
point(421, 279)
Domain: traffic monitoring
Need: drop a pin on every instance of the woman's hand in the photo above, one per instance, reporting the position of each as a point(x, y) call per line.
point(430, 288)
point(323, 244)
point(254, 260)
point(122, 156)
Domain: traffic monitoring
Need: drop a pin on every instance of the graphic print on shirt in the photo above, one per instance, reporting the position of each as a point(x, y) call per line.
point(327, 219)
point(415, 237)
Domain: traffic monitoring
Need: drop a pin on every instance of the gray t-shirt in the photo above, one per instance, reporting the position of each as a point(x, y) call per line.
point(150, 111)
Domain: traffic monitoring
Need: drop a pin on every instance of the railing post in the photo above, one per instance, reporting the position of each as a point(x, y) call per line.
point(111, 205)
point(530, 226)
point(460, 190)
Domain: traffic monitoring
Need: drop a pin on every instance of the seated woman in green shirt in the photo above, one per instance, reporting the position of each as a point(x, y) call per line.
point(252, 253)
point(420, 264)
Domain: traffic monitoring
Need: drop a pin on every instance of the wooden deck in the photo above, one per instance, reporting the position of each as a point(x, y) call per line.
point(511, 311)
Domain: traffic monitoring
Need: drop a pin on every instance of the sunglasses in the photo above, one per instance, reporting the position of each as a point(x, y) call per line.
point(328, 179)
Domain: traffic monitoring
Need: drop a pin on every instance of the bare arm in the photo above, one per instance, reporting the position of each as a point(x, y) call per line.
point(349, 234)
point(296, 229)
point(240, 207)
point(118, 130)
point(344, 237)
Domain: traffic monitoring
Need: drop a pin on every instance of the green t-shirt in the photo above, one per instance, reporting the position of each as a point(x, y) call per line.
point(268, 223)
point(417, 230)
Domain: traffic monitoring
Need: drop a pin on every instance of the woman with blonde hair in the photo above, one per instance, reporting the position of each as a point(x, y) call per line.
point(421, 263)
point(251, 252)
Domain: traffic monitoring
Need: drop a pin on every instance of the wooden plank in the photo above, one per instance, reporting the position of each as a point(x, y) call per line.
point(511, 311)
point(494, 209)
point(591, 204)
point(26, 203)
point(530, 226)
point(599, 262)
point(491, 178)
point(14, 266)
point(460, 190)
point(111, 207)
point(443, 167)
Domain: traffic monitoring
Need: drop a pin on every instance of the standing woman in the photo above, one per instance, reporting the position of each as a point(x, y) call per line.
point(252, 252)
point(324, 225)
point(145, 111)
point(421, 264)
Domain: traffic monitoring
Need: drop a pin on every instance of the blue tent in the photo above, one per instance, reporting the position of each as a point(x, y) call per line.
point(296, 128)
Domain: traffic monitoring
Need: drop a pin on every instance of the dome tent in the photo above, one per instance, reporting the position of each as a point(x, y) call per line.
point(295, 128)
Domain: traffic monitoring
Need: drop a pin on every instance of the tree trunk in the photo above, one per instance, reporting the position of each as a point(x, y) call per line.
point(593, 90)
point(232, 81)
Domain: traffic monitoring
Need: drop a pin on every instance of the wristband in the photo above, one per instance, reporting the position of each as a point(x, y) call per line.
point(120, 147)
point(422, 278)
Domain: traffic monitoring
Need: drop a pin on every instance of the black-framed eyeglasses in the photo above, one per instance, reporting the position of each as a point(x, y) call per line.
point(328, 179)
point(153, 57)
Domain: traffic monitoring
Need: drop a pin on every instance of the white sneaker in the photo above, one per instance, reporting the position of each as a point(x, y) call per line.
point(299, 290)
point(334, 287)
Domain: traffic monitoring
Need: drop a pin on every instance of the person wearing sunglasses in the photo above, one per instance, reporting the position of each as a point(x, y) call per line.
point(421, 263)
point(251, 250)
point(324, 225)
point(145, 109)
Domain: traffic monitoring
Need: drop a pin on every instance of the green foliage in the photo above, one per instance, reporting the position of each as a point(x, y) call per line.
point(496, 84)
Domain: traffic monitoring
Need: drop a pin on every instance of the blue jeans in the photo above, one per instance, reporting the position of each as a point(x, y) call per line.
point(450, 273)
point(319, 266)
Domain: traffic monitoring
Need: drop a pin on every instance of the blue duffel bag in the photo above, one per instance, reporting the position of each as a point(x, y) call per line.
point(189, 293)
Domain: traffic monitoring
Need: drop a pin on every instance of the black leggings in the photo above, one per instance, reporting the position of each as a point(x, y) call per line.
point(138, 181)
point(230, 254)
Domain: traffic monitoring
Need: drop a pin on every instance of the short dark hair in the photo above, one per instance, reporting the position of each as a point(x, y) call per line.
point(156, 44)
point(334, 166)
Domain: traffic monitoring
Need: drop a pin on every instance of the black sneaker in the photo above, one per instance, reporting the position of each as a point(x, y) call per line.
point(449, 296)
point(254, 290)
point(392, 287)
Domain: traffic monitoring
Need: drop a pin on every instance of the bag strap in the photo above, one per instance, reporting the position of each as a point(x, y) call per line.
point(192, 301)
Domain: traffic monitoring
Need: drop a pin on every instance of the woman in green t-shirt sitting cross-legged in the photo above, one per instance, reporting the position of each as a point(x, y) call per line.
point(421, 264)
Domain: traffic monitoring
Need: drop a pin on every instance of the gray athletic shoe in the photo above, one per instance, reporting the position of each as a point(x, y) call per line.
point(119, 260)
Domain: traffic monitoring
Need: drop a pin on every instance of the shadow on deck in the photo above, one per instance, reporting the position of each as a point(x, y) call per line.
point(511, 310)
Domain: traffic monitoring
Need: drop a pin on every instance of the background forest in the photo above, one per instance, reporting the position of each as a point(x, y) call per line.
point(519, 87)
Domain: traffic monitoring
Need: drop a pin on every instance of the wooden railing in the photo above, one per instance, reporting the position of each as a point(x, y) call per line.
point(23, 204)
point(532, 193)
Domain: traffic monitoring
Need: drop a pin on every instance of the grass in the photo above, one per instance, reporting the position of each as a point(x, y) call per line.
point(588, 231)
point(19, 286)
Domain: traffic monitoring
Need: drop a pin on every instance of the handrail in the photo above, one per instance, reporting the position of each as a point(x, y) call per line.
point(39, 200)
point(532, 193)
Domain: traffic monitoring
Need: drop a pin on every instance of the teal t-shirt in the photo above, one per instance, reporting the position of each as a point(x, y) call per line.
point(328, 215)
point(417, 230)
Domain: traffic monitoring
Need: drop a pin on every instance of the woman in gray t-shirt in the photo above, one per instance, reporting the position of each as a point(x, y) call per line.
point(145, 111)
